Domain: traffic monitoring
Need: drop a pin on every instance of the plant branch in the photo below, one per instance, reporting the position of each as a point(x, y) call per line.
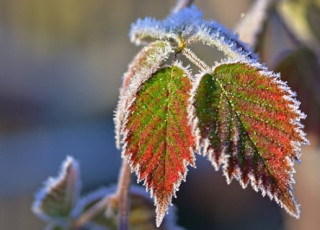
point(251, 25)
point(123, 196)
point(93, 211)
point(195, 60)
point(182, 4)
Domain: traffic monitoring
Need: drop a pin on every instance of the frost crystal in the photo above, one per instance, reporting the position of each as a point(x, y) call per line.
point(189, 26)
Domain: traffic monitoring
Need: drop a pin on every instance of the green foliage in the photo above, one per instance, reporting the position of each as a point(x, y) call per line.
point(53, 204)
point(56, 200)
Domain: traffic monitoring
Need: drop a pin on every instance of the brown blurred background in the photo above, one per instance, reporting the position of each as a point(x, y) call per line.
point(61, 63)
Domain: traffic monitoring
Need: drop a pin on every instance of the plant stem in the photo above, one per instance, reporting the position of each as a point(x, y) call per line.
point(251, 25)
point(122, 193)
point(195, 60)
point(123, 196)
point(181, 4)
point(93, 211)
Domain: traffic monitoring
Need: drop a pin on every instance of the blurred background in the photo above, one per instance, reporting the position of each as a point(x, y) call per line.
point(61, 63)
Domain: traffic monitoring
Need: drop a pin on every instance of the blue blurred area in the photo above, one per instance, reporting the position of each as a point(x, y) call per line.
point(40, 151)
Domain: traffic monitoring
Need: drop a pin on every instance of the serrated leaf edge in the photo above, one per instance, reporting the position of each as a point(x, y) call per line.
point(126, 93)
point(182, 177)
point(52, 182)
point(179, 26)
point(256, 185)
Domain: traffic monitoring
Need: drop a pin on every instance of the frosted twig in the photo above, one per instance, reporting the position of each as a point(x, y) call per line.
point(251, 24)
point(181, 4)
point(195, 60)
point(123, 196)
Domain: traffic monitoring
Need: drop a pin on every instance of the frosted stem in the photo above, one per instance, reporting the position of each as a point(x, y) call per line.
point(181, 4)
point(194, 59)
point(123, 196)
point(93, 211)
point(251, 24)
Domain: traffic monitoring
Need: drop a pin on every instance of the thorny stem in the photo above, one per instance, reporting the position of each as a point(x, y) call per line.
point(123, 196)
point(181, 4)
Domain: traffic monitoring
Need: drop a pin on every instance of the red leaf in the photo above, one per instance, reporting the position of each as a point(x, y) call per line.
point(249, 121)
point(158, 138)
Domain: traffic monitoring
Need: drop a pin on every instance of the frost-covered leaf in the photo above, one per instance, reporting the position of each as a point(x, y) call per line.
point(187, 26)
point(141, 211)
point(147, 61)
point(301, 68)
point(157, 135)
point(248, 120)
point(173, 28)
point(55, 201)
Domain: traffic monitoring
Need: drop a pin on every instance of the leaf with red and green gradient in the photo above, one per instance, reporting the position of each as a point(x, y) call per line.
point(249, 122)
point(157, 134)
point(147, 61)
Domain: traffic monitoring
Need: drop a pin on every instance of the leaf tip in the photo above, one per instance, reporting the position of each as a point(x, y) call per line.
point(161, 210)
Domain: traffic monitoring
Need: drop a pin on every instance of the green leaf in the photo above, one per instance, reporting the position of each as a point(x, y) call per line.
point(147, 61)
point(248, 121)
point(55, 201)
point(157, 134)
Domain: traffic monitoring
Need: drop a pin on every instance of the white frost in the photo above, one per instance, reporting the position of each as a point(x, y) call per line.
point(69, 175)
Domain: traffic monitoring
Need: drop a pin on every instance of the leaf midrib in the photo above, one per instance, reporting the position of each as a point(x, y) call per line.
point(249, 138)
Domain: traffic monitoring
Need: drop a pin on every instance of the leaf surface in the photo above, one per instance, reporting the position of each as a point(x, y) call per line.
point(158, 138)
point(248, 121)
point(56, 200)
point(147, 61)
